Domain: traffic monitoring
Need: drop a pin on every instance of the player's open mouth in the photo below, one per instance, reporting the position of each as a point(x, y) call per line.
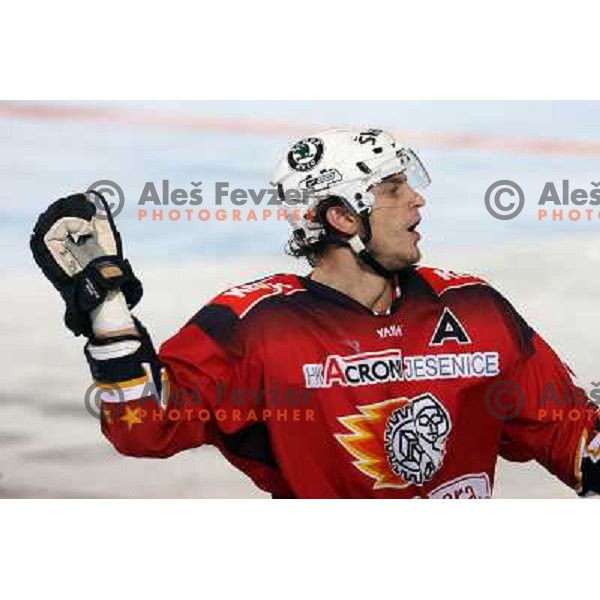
point(413, 229)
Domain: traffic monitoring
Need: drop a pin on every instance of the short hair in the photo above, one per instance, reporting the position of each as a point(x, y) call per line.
point(315, 251)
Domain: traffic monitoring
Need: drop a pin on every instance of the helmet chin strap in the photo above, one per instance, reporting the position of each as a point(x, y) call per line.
point(358, 247)
point(360, 250)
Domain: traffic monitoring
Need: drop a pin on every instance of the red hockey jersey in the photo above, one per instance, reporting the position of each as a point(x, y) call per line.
point(312, 395)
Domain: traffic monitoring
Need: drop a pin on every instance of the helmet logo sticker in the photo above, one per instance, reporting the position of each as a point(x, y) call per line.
point(305, 154)
point(322, 181)
point(368, 137)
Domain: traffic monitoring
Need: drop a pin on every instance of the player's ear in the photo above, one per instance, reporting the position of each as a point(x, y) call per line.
point(341, 219)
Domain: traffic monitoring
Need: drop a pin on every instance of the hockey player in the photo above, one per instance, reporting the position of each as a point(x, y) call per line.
point(369, 377)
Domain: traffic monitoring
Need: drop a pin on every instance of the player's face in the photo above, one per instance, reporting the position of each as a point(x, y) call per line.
point(394, 219)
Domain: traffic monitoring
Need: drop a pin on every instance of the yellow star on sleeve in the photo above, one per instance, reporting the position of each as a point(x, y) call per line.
point(132, 416)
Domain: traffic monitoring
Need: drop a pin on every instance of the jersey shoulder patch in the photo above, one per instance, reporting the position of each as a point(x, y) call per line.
point(243, 298)
point(442, 280)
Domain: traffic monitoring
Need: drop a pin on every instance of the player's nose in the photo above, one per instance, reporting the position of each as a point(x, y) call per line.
point(418, 200)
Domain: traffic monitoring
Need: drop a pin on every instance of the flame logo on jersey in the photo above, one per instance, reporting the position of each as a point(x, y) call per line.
point(398, 442)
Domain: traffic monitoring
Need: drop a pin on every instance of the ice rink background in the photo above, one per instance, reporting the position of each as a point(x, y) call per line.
point(50, 446)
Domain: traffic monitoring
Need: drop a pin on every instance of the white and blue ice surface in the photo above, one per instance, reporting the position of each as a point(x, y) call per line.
point(45, 159)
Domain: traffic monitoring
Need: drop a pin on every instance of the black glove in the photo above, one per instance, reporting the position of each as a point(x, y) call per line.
point(79, 250)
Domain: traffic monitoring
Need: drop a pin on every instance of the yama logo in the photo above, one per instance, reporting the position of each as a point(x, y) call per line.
point(388, 332)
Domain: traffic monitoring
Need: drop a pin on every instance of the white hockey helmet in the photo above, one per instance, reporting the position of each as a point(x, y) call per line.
point(341, 163)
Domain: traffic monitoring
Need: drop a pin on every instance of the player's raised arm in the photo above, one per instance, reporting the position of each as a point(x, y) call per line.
point(76, 244)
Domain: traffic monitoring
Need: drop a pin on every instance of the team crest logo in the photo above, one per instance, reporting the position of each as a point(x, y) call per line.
point(305, 154)
point(398, 442)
